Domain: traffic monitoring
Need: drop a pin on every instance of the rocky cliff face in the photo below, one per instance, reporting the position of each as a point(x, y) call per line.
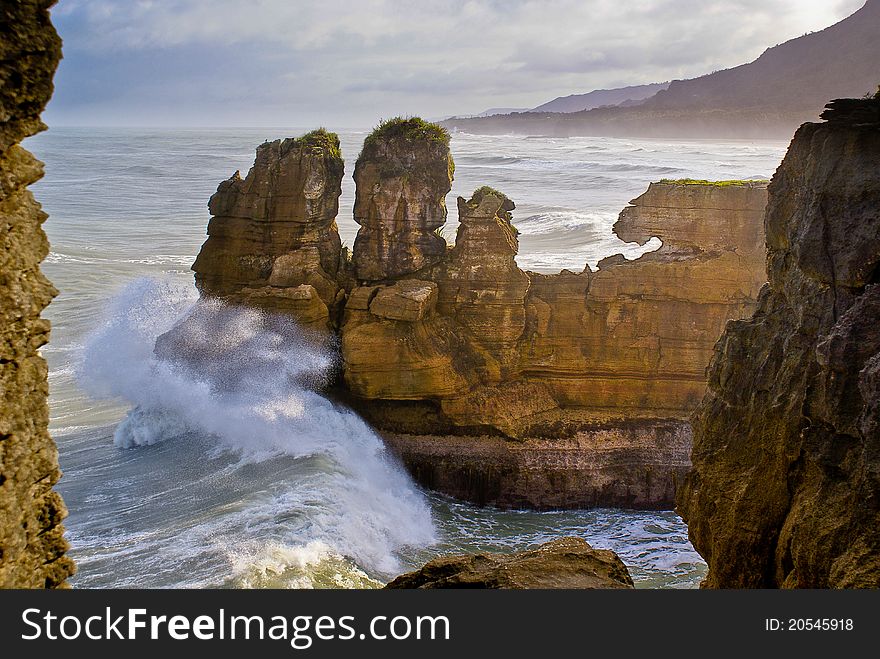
point(785, 490)
point(272, 241)
point(592, 374)
point(634, 338)
point(518, 389)
point(563, 563)
point(32, 547)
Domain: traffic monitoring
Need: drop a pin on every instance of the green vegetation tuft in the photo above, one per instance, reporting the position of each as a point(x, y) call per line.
point(719, 184)
point(507, 204)
point(484, 190)
point(409, 128)
point(320, 138)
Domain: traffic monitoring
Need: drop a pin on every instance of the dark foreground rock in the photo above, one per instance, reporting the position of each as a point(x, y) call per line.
point(785, 487)
point(32, 546)
point(563, 563)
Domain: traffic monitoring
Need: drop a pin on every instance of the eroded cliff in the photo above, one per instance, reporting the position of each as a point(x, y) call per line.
point(513, 388)
point(32, 546)
point(785, 489)
point(272, 241)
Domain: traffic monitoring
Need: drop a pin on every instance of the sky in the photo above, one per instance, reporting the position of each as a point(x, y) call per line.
point(349, 63)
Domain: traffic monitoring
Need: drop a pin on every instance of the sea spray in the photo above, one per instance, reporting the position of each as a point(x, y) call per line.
point(243, 384)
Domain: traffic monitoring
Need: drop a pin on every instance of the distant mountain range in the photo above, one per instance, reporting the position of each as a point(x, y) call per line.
point(786, 86)
point(599, 98)
point(493, 111)
point(602, 98)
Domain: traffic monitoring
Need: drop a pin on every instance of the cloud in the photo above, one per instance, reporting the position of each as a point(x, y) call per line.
point(234, 62)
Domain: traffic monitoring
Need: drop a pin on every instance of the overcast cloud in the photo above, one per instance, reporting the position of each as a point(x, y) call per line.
point(345, 63)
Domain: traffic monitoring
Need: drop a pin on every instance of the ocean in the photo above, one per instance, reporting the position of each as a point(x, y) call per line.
point(177, 478)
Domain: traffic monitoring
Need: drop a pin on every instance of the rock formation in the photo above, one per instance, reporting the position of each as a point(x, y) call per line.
point(785, 489)
point(563, 563)
point(514, 388)
point(32, 546)
point(273, 241)
point(482, 286)
point(594, 374)
point(635, 337)
point(403, 175)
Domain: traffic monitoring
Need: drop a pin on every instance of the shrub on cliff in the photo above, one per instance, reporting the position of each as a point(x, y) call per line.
point(507, 204)
point(720, 184)
point(409, 128)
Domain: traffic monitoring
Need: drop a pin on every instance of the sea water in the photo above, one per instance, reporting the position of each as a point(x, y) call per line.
point(239, 472)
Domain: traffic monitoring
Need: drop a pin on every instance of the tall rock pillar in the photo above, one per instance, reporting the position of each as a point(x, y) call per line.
point(272, 241)
point(403, 176)
point(785, 486)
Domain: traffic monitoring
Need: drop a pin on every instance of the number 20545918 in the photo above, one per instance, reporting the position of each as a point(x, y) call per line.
point(809, 624)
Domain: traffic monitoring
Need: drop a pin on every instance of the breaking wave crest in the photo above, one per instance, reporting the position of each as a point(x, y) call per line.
point(244, 384)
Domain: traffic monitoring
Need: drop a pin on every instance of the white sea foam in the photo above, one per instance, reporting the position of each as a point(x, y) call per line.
point(248, 381)
point(551, 222)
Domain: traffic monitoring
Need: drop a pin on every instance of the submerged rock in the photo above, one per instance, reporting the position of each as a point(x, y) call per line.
point(32, 545)
point(563, 563)
point(785, 488)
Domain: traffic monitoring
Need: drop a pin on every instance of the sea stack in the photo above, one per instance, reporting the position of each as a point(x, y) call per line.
point(272, 241)
point(785, 487)
point(482, 287)
point(32, 545)
point(403, 175)
point(496, 385)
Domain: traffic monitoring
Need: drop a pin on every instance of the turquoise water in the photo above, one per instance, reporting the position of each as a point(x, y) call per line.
point(175, 478)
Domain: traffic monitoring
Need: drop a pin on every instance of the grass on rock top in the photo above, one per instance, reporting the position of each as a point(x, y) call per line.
point(507, 204)
point(718, 184)
point(484, 190)
point(320, 138)
point(409, 128)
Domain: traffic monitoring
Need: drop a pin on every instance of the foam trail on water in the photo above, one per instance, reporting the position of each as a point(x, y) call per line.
point(248, 380)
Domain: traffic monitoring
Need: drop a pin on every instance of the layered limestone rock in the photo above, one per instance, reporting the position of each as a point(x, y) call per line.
point(397, 347)
point(634, 338)
point(32, 546)
point(593, 374)
point(481, 286)
point(634, 464)
point(403, 175)
point(571, 390)
point(272, 241)
point(785, 489)
point(562, 563)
